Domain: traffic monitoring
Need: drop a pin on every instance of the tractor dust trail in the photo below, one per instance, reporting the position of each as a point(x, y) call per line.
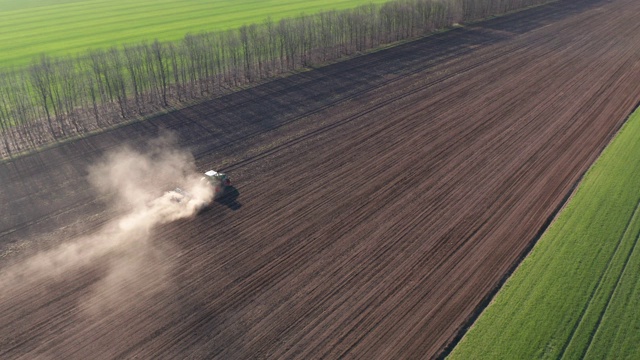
point(132, 266)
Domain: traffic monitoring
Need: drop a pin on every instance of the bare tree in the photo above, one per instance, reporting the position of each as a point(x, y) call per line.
point(41, 81)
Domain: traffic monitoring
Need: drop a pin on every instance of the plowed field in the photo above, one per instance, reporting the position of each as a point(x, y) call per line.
point(380, 201)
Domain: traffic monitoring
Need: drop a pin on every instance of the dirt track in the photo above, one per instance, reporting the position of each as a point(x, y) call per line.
point(381, 199)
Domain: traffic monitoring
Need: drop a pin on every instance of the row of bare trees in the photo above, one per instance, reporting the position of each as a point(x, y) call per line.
point(54, 99)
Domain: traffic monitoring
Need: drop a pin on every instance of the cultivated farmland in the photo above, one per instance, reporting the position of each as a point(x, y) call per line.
point(379, 201)
point(68, 27)
point(576, 296)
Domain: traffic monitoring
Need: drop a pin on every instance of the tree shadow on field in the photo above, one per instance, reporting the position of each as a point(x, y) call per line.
point(230, 199)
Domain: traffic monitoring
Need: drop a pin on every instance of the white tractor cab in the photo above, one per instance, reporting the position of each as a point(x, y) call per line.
point(220, 182)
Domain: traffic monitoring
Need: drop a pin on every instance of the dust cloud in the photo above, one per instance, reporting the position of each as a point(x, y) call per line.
point(136, 184)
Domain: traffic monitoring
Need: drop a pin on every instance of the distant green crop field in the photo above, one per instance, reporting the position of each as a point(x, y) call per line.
point(60, 27)
point(577, 295)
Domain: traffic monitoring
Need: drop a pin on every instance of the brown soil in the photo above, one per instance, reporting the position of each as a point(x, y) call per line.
point(379, 200)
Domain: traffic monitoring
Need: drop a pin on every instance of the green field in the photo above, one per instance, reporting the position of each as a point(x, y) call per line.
point(577, 295)
point(59, 27)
